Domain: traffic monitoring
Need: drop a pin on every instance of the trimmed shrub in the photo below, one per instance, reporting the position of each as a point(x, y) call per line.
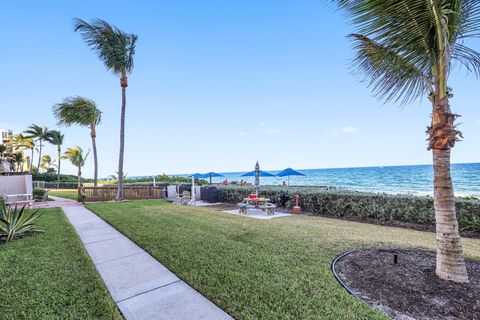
point(38, 193)
point(344, 203)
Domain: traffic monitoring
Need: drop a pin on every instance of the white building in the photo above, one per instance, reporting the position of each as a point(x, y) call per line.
point(5, 135)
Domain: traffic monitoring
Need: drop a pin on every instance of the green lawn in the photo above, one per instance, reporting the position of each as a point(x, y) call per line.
point(254, 269)
point(63, 193)
point(50, 276)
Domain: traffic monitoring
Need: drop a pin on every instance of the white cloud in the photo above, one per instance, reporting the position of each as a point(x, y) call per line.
point(349, 129)
point(272, 131)
point(344, 130)
point(477, 122)
point(242, 133)
point(262, 124)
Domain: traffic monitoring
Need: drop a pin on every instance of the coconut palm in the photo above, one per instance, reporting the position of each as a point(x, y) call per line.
point(17, 161)
point(3, 150)
point(56, 138)
point(46, 162)
point(406, 49)
point(83, 112)
point(41, 134)
point(21, 142)
point(116, 49)
point(77, 158)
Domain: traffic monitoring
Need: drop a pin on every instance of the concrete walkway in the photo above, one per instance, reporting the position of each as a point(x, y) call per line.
point(140, 285)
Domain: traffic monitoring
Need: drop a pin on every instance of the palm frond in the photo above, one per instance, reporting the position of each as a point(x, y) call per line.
point(420, 35)
point(77, 110)
point(467, 57)
point(76, 156)
point(391, 76)
point(113, 46)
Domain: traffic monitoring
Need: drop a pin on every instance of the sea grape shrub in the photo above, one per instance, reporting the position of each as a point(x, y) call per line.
point(344, 203)
point(38, 193)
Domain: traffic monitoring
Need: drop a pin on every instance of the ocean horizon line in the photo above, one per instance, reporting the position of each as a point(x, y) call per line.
point(304, 169)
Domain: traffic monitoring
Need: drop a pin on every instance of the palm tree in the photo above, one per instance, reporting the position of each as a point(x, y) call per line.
point(406, 49)
point(56, 138)
point(116, 49)
point(3, 150)
point(21, 142)
point(40, 134)
point(83, 112)
point(46, 162)
point(17, 160)
point(77, 158)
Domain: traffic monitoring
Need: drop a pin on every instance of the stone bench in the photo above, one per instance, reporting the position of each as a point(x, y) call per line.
point(269, 208)
point(243, 207)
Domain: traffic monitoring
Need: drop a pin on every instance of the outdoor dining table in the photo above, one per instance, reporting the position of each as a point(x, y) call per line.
point(256, 201)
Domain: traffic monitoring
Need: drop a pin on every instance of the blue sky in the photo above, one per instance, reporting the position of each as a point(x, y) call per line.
point(217, 85)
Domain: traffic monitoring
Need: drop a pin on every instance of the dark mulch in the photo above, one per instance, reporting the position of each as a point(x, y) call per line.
point(409, 289)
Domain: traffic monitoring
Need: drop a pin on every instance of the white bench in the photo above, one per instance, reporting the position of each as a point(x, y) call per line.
point(25, 198)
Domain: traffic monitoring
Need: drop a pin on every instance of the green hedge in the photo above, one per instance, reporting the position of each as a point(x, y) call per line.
point(52, 177)
point(340, 203)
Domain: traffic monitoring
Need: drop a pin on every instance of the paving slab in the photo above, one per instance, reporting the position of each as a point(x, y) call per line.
point(90, 233)
point(258, 214)
point(133, 275)
point(112, 249)
point(140, 285)
point(177, 301)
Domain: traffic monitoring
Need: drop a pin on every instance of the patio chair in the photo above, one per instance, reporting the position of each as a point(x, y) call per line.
point(44, 198)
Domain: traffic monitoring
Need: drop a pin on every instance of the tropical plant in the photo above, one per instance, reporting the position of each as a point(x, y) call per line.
point(41, 134)
point(21, 142)
point(406, 49)
point(56, 138)
point(14, 222)
point(17, 161)
point(83, 112)
point(116, 49)
point(3, 150)
point(77, 158)
point(46, 162)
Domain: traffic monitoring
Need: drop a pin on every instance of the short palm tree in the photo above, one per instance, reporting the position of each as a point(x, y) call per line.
point(17, 161)
point(40, 134)
point(46, 162)
point(3, 149)
point(21, 142)
point(116, 49)
point(406, 49)
point(77, 158)
point(56, 138)
point(83, 112)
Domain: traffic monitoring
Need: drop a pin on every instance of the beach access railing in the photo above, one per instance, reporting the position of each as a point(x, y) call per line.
point(93, 194)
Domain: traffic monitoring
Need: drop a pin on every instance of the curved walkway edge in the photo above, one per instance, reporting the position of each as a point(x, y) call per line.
point(139, 284)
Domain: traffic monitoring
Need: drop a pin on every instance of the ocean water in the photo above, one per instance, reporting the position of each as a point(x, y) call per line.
point(417, 179)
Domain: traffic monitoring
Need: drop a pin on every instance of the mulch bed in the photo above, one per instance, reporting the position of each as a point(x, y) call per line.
point(409, 289)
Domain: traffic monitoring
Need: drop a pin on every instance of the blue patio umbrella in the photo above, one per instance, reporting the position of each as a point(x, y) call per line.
point(289, 172)
point(257, 173)
point(212, 175)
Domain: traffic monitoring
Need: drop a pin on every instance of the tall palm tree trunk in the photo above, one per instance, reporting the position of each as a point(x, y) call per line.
point(123, 83)
point(58, 166)
point(450, 259)
point(39, 156)
point(31, 159)
point(93, 135)
point(79, 182)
